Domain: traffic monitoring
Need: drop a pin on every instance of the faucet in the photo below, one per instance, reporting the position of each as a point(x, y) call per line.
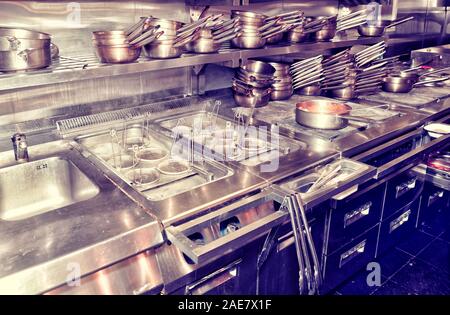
point(20, 146)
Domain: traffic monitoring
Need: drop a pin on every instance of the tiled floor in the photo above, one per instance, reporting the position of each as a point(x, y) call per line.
point(420, 265)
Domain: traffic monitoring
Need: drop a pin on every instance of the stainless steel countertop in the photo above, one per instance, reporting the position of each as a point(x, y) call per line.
point(127, 229)
point(40, 252)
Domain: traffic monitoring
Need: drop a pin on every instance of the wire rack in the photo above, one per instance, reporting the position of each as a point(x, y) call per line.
point(62, 64)
point(100, 121)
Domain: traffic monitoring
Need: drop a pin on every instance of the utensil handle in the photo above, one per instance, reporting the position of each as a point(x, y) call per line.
point(226, 38)
point(431, 81)
point(268, 25)
point(149, 39)
point(400, 21)
point(434, 71)
point(224, 34)
point(187, 40)
point(283, 15)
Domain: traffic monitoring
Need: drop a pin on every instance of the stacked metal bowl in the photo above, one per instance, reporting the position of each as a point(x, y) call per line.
point(124, 46)
point(254, 30)
point(252, 84)
point(24, 49)
point(282, 88)
point(307, 75)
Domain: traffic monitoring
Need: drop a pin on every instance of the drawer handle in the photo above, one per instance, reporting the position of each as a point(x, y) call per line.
point(352, 253)
point(353, 216)
point(395, 224)
point(213, 280)
point(402, 189)
point(434, 197)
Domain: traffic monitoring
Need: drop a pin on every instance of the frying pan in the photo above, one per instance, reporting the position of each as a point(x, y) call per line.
point(378, 28)
point(398, 84)
point(324, 114)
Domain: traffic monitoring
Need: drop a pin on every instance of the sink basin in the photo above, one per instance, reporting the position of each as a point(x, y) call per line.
point(33, 188)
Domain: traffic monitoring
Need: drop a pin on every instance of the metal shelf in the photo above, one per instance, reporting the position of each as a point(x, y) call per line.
point(84, 67)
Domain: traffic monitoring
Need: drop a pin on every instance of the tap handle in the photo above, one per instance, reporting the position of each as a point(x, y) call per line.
point(19, 141)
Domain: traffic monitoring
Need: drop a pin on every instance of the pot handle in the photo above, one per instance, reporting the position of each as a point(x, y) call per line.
point(225, 34)
point(274, 32)
point(296, 13)
point(149, 39)
point(268, 25)
point(187, 40)
point(434, 71)
point(431, 81)
point(14, 43)
point(399, 21)
point(24, 54)
point(240, 89)
point(226, 38)
point(54, 51)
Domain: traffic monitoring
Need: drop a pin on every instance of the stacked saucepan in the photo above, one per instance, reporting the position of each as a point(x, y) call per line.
point(352, 20)
point(124, 46)
point(252, 84)
point(171, 43)
point(254, 30)
point(290, 20)
point(325, 114)
point(211, 34)
point(354, 71)
point(307, 75)
point(301, 31)
point(405, 80)
point(328, 29)
point(281, 89)
point(22, 49)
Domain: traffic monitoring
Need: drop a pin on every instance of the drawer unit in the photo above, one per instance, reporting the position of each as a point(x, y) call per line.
point(401, 190)
point(397, 226)
point(352, 216)
point(349, 259)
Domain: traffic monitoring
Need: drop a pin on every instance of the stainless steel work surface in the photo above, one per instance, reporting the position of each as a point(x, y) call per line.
point(59, 214)
point(384, 122)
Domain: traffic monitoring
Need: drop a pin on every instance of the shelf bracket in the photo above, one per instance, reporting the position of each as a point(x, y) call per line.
point(197, 80)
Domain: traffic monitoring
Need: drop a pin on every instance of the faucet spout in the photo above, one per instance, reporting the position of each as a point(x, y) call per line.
point(20, 146)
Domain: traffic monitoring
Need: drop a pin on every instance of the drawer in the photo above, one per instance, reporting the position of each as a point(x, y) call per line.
point(353, 216)
point(434, 199)
point(397, 227)
point(349, 259)
point(401, 190)
point(434, 206)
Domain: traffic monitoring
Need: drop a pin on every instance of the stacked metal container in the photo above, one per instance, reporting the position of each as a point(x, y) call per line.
point(252, 84)
point(281, 89)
